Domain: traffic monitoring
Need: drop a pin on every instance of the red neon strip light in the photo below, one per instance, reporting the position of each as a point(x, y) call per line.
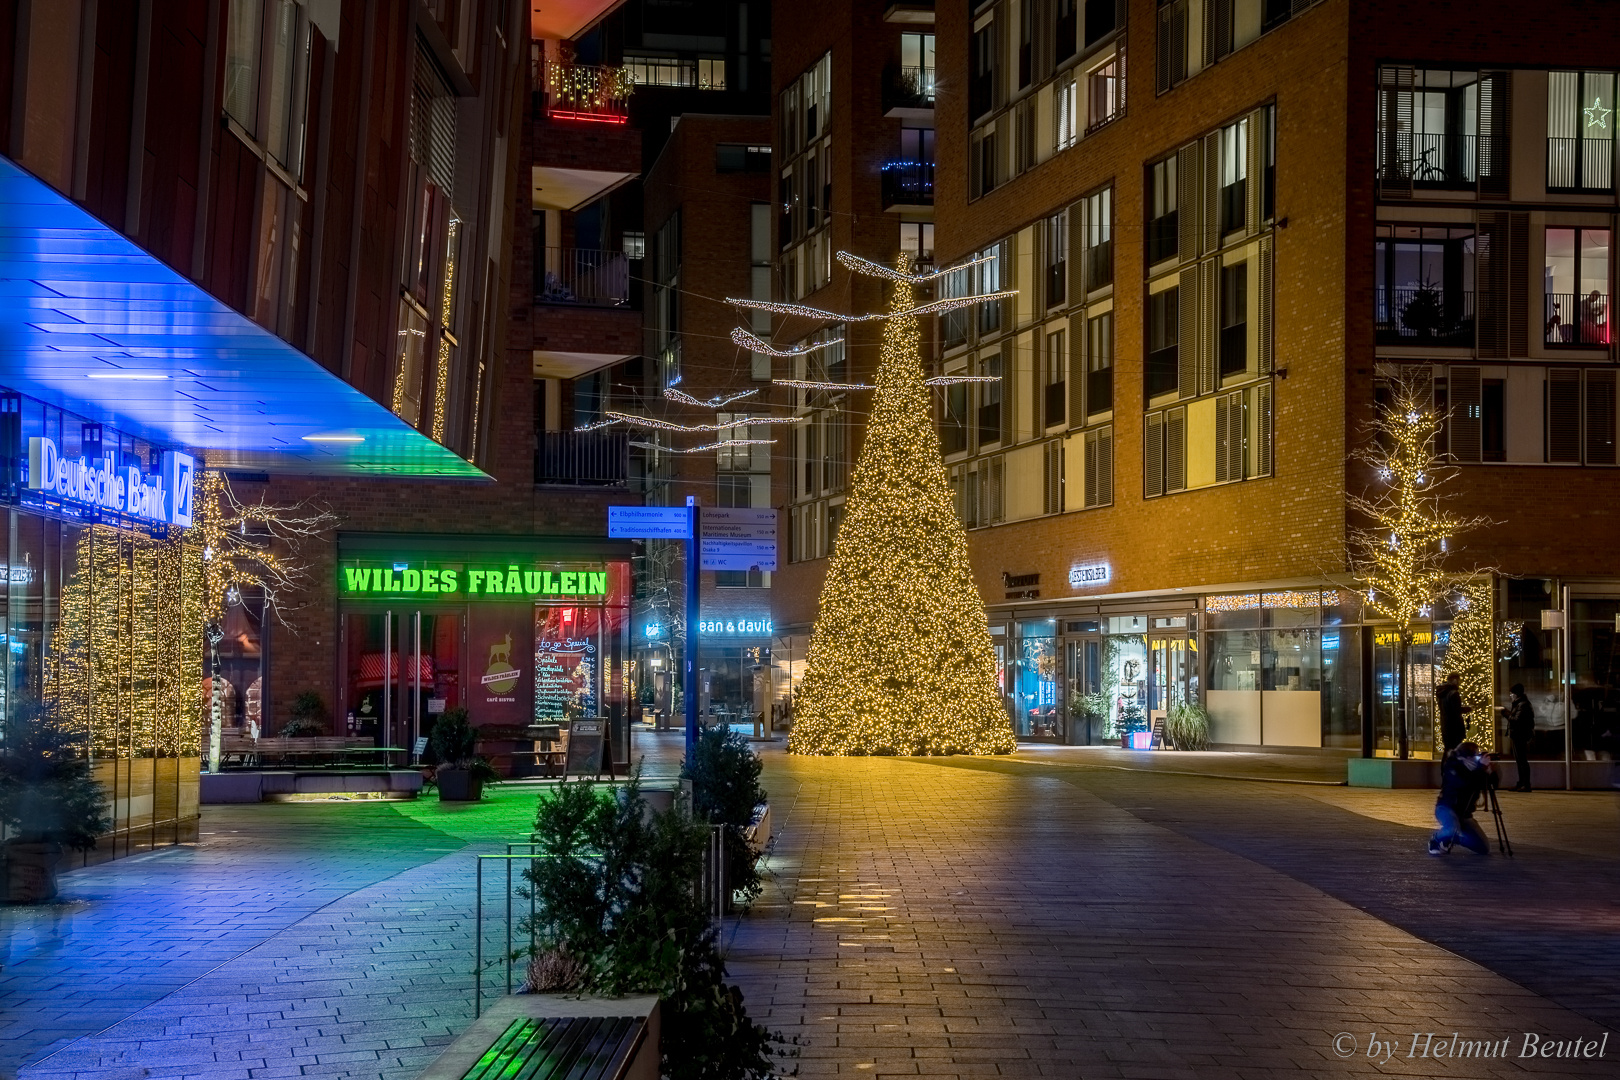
point(593, 117)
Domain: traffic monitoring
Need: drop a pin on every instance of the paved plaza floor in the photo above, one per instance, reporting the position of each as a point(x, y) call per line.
point(1050, 914)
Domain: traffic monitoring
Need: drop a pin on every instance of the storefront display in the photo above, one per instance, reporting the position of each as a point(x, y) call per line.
point(519, 631)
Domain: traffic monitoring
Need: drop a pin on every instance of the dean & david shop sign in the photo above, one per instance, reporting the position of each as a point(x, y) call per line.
point(100, 484)
point(463, 581)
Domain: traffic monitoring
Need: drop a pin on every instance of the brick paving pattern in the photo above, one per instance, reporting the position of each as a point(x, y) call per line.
point(1034, 917)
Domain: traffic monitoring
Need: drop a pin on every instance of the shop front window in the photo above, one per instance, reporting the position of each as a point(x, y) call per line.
point(1125, 675)
point(1036, 685)
point(1594, 695)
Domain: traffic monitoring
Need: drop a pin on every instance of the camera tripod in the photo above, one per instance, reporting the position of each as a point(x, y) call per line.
point(1503, 844)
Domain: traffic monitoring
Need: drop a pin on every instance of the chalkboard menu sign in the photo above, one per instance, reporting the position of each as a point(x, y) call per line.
point(587, 748)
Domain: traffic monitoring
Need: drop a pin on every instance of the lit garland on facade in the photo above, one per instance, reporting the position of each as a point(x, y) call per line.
point(1399, 553)
point(441, 375)
point(900, 659)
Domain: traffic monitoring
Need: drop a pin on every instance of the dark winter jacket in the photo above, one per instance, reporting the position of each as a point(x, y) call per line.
point(1521, 719)
point(1460, 786)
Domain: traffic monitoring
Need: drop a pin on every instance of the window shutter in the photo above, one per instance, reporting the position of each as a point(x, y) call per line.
point(1189, 198)
point(998, 473)
point(1395, 132)
point(1263, 336)
point(1217, 30)
point(1600, 403)
point(1254, 189)
point(1237, 430)
point(1262, 429)
point(1009, 434)
point(1089, 495)
point(1175, 449)
point(1212, 193)
point(1153, 455)
point(1495, 128)
point(1077, 250)
point(1223, 436)
point(1491, 281)
point(1077, 366)
point(1209, 292)
point(1518, 297)
point(1465, 413)
point(1564, 415)
point(1188, 338)
point(1105, 466)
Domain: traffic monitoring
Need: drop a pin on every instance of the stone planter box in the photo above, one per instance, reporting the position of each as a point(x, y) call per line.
point(459, 785)
point(640, 1063)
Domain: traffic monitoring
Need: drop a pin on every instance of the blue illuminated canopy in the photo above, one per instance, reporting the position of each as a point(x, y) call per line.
point(91, 323)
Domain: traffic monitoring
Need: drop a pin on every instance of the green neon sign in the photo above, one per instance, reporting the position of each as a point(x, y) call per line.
point(476, 582)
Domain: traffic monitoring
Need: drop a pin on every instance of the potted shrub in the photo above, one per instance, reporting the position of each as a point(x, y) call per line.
point(308, 716)
point(49, 802)
point(1132, 721)
point(460, 774)
point(1187, 726)
point(724, 771)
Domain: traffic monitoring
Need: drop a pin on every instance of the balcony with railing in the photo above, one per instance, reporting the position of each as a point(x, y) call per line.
point(582, 458)
point(1438, 161)
point(908, 91)
point(1577, 320)
point(586, 92)
point(1424, 316)
point(1580, 164)
point(587, 276)
point(908, 183)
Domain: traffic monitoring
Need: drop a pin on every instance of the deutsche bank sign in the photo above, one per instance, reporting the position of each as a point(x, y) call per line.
point(101, 484)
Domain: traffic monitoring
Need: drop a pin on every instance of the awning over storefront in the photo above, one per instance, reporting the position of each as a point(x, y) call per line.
point(93, 324)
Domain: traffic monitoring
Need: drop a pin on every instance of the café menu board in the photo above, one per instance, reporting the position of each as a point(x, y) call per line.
point(565, 659)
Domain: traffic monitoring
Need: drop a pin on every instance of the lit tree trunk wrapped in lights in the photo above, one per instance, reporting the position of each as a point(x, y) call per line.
point(900, 659)
point(1404, 540)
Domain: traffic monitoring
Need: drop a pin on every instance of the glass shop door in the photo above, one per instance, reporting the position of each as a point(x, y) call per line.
point(1170, 661)
point(402, 670)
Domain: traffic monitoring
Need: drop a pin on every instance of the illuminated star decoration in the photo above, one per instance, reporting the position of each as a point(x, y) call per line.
point(1596, 115)
point(900, 658)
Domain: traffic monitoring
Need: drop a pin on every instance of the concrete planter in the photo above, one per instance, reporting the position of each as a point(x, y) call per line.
point(459, 785)
point(31, 872)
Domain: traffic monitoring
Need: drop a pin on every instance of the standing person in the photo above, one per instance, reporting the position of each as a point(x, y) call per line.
point(1464, 775)
point(1448, 696)
point(1521, 723)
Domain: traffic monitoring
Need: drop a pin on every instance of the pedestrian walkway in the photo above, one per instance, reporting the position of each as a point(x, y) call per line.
point(953, 918)
point(1031, 916)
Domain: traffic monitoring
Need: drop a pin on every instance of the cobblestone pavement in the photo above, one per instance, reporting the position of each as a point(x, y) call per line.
point(1032, 916)
point(1024, 918)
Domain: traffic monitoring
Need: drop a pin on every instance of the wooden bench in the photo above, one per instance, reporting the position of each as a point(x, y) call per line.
point(556, 1037)
point(237, 751)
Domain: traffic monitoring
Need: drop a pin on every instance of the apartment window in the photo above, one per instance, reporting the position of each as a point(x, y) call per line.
point(742, 157)
point(991, 278)
point(711, 73)
point(917, 64)
point(661, 71)
point(1268, 157)
point(1580, 130)
point(1065, 112)
point(635, 244)
point(1164, 231)
point(1234, 319)
point(246, 26)
point(1493, 419)
point(1100, 363)
point(1234, 166)
point(1099, 467)
point(1054, 363)
point(1172, 39)
point(954, 325)
point(269, 73)
point(1026, 42)
point(982, 161)
point(1163, 338)
point(917, 241)
point(1063, 43)
point(1102, 18)
point(1056, 247)
point(1024, 136)
point(953, 426)
point(1105, 92)
point(990, 401)
point(1423, 278)
point(982, 71)
point(1052, 476)
point(1576, 279)
point(1098, 221)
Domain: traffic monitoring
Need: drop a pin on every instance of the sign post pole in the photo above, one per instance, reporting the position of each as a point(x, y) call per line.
point(694, 570)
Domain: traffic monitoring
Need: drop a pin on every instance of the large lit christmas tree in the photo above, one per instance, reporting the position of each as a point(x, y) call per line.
point(900, 659)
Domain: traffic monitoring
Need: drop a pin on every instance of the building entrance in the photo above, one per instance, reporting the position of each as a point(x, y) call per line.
point(403, 668)
point(1172, 658)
